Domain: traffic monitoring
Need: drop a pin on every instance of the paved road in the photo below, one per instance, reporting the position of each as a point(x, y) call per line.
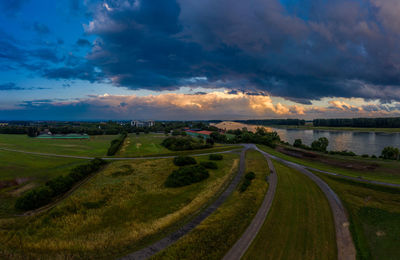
point(109, 158)
point(241, 246)
point(172, 238)
point(344, 241)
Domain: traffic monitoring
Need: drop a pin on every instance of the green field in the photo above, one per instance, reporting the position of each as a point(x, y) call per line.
point(300, 223)
point(121, 209)
point(386, 170)
point(30, 171)
point(374, 216)
point(150, 145)
point(217, 234)
point(95, 146)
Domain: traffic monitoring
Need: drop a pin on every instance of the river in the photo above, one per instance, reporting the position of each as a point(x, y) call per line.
point(370, 143)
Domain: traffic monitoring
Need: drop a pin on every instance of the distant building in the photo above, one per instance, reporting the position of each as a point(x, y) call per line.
point(137, 123)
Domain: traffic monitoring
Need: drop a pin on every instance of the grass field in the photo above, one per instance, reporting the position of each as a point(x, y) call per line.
point(300, 223)
point(150, 145)
point(123, 208)
point(386, 170)
point(95, 146)
point(217, 234)
point(29, 170)
point(374, 215)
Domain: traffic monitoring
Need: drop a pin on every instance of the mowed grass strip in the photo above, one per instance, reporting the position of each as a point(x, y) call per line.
point(30, 171)
point(300, 223)
point(218, 233)
point(386, 170)
point(95, 146)
point(374, 216)
point(150, 145)
point(122, 209)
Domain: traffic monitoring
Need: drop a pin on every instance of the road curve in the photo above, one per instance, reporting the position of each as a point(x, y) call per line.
point(173, 237)
point(241, 246)
point(344, 241)
point(110, 158)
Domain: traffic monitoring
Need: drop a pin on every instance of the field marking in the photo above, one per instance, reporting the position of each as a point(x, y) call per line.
point(241, 245)
point(344, 241)
point(175, 236)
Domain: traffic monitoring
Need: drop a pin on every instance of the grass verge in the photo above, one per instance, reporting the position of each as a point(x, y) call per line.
point(300, 223)
point(217, 234)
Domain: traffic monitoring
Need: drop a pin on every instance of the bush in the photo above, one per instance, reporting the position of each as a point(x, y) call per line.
point(373, 156)
point(344, 153)
point(320, 145)
point(184, 160)
point(391, 153)
point(209, 165)
point(297, 143)
point(247, 181)
point(216, 157)
point(186, 175)
point(365, 155)
point(34, 199)
point(250, 175)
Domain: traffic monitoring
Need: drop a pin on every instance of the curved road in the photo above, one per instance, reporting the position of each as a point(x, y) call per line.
point(344, 241)
point(172, 238)
point(241, 246)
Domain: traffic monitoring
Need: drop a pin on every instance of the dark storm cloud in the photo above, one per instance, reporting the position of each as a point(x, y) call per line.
point(12, 6)
point(304, 51)
point(83, 43)
point(9, 86)
point(41, 28)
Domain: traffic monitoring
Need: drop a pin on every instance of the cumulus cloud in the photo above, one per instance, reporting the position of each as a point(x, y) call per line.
point(305, 52)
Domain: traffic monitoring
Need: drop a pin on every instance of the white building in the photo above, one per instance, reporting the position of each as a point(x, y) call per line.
point(137, 123)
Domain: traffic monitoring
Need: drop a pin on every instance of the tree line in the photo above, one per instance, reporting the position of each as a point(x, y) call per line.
point(388, 122)
point(273, 121)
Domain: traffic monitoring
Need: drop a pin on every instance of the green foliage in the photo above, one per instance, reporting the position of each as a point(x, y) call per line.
point(320, 145)
point(216, 157)
point(209, 165)
point(247, 181)
point(116, 144)
point(184, 143)
point(184, 160)
point(391, 153)
point(186, 175)
point(42, 195)
point(393, 122)
point(297, 143)
point(273, 122)
point(260, 137)
point(365, 155)
point(344, 153)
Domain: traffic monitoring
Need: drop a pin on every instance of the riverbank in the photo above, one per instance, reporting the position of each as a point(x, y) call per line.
point(330, 128)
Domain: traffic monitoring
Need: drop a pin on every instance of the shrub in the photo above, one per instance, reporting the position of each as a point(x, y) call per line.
point(186, 175)
point(391, 153)
point(250, 175)
point(216, 157)
point(373, 156)
point(247, 181)
point(184, 160)
point(184, 143)
point(320, 145)
point(209, 165)
point(365, 155)
point(297, 143)
point(344, 153)
point(34, 199)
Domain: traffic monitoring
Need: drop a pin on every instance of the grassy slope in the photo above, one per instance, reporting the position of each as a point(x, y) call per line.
point(38, 169)
point(379, 174)
point(375, 217)
point(358, 129)
point(150, 145)
point(217, 234)
point(120, 210)
point(95, 146)
point(300, 224)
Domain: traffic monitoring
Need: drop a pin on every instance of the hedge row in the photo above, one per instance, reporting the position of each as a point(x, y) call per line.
point(43, 195)
point(216, 157)
point(116, 144)
point(184, 160)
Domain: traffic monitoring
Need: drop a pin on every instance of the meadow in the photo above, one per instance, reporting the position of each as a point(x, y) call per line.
point(382, 170)
point(96, 146)
point(300, 223)
point(121, 209)
point(150, 145)
point(217, 234)
point(374, 213)
point(20, 172)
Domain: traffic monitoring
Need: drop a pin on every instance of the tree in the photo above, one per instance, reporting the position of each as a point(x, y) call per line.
point(391, 153)
point(298, 143)
point(320, 145)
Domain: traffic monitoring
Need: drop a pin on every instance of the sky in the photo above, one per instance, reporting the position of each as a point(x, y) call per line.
point(198, 60)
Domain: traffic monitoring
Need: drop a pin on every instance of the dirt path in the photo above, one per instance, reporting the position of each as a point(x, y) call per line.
point(344, 241)
point(241, 246)
point(175, 236)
